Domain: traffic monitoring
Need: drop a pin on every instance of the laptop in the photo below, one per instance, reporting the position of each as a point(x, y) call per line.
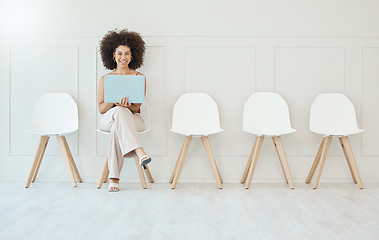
point(118, 86)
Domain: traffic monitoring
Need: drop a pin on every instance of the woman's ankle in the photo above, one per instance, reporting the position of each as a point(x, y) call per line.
point(140, 152)
point(114, 180)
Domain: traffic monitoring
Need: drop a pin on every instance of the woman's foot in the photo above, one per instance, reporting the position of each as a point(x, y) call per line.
point(142, 156)
point(114, 185)
point(144, 160)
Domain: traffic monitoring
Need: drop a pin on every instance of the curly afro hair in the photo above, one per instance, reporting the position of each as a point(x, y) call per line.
point(113, 39)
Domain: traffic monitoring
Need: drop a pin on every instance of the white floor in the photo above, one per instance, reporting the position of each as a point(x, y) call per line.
point(192, 211)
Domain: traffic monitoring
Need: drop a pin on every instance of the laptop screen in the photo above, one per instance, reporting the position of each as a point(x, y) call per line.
point(118, 86)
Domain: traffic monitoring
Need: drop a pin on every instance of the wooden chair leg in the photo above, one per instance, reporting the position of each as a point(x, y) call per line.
point(72, 161)
point(324, 152)
point(256, 152)
point(281, 163)
point(315, 162)
point(104, 174)
point(219, 175)
point(283, 159)
point(212, 161)
point(42, 142)
point(347, 160)
point(176, 164)
point(140, 173)
point(248, 164)
point(351, 158)
point(186, 144)
point(148, 174)
point(206, 139)
point(66, 159)
point(40, 159)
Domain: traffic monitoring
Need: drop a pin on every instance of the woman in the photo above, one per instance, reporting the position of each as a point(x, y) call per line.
point(123, 52)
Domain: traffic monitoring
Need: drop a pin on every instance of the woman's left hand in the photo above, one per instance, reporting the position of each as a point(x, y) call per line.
point(124, 103)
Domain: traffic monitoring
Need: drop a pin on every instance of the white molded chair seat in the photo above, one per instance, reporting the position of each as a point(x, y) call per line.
point(54, 114)
point(195, 114)
point(266, 114)
point(333, 114)
point(145, 114)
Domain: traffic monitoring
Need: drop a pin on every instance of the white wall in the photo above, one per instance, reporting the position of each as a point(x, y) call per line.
point(228, 49)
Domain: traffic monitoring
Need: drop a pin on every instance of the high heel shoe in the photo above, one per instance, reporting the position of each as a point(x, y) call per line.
point(145, 159)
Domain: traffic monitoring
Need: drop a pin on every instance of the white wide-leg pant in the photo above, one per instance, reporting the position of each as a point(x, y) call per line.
point(123, 126)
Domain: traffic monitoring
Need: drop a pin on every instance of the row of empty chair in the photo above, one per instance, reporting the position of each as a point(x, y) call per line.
point(266, 114)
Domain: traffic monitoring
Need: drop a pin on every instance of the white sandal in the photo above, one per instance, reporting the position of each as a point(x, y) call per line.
point(114, 185)
point(145, 159)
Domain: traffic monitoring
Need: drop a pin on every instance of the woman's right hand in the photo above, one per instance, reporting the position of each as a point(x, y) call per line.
point(124, 102)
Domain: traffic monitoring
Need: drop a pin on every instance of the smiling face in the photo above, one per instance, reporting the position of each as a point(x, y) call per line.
point(122, 56)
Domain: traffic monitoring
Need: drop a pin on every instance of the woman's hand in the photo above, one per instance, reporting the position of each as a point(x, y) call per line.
point(124, 102)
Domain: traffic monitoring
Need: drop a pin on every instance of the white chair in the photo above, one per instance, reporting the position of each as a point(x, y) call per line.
point(266, 114)
point(145, 114)
point(195, 115)
point(333, 115)
point(54, 114)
